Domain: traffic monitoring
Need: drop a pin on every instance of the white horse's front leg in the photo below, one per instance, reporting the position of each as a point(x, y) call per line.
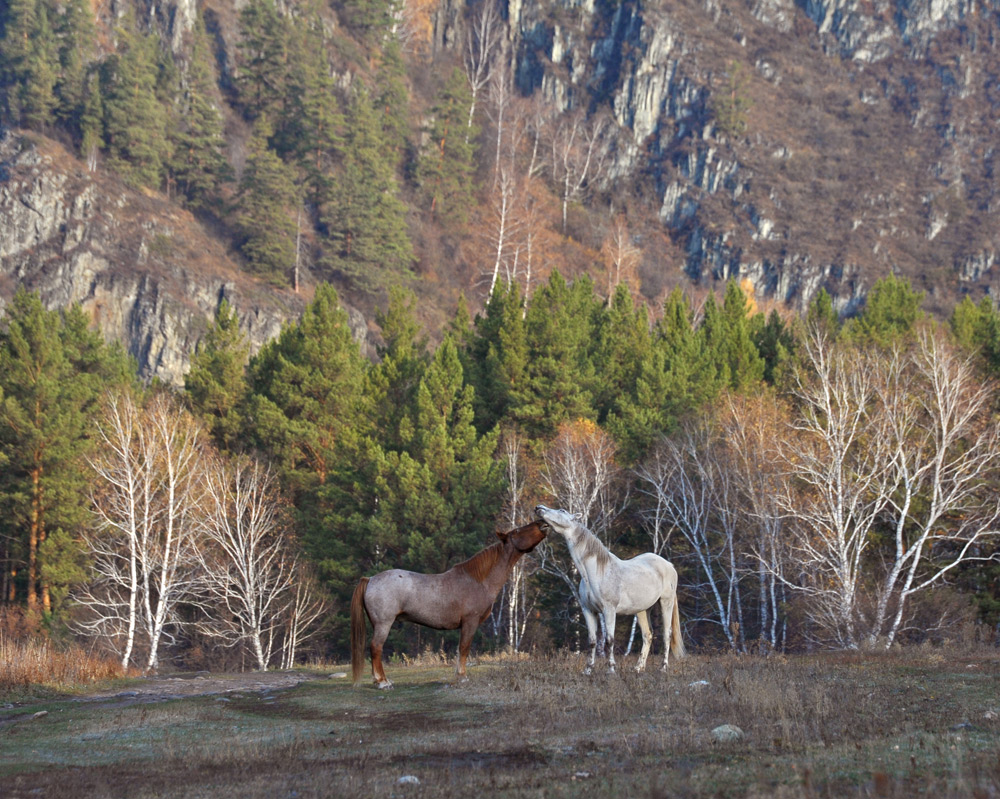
point(591, 620)
point(609, 622)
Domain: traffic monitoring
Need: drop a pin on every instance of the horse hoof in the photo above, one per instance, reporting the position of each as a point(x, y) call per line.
point(611, 669)
point(385, 685)
point(588, 671)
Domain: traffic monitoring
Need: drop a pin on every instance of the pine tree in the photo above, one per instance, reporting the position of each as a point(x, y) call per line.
point(308, 413)
point(310, 131)
point(366, 219)
point(77, 45)
point(198, 163)
point(263, 50)
point(52, 371)
point(306, 393)
point(392, 98)
point(450, 515)
point(891, 313)
point(676, 378)
point(622, 342)
point(372, 20)
point(775, 341)
point(92, 122)
point(402, 361)
point(135, 120)
point(558, 377)
point(977, 329)
point(821, 315)
point(216, 383)
point(726, 332)
point(497, 355)
point(445, 171)
point(38, 87)
point(267, 194)
point(19, 24)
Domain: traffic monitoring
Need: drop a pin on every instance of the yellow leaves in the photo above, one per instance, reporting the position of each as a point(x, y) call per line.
point(746, 285)
point(419, 15)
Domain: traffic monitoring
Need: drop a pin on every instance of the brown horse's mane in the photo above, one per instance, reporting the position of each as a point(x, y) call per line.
point(482, 563)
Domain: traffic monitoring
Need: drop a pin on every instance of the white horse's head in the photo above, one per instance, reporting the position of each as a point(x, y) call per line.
point(562, 521)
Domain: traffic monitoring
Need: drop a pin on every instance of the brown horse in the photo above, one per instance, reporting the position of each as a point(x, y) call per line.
point(460, 597)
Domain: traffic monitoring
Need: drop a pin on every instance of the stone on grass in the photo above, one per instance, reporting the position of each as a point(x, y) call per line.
point(726, 733)
point(407, 779)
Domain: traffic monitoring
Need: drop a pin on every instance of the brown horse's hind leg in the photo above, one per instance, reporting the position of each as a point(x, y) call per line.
point(378, 639)
point(469, 626)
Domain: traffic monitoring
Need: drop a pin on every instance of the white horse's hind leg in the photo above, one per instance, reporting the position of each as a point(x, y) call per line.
point(666, 609)
point(592, 625)
point(647, 639)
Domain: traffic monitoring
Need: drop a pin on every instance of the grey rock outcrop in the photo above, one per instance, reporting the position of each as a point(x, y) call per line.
point(825, 201)
point(146, 272)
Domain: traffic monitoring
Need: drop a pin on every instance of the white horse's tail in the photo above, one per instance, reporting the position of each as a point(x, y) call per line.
point(676, 641)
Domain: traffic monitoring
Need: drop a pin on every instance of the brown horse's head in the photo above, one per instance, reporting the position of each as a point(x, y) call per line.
point(524, 538)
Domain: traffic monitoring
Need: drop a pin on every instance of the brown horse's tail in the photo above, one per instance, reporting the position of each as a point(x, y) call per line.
point(676, 640)
point(359, 633)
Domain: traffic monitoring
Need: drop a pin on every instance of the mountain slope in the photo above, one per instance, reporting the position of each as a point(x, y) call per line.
point(802, 145)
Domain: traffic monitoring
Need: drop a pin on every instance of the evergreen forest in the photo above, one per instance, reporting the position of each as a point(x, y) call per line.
point(810, 479)
point(818, 482)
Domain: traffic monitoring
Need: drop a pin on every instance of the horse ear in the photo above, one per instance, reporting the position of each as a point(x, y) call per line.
point(578, 517)
point(503, 536)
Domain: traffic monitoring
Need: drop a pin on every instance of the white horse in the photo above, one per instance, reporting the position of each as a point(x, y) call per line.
point(610, 586)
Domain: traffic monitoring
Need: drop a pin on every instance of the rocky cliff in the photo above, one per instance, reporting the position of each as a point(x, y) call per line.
point(147, 272)
point(867, 142)
point(803, 144)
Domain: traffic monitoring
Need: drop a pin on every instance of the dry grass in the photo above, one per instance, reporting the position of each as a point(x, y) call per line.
point(31, 664)
point(920, 722)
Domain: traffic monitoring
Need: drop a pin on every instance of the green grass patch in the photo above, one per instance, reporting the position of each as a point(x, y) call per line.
point(833, 725)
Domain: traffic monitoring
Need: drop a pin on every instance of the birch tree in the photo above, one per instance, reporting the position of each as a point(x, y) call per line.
point(581, 474)
point(944, 449)
point(504, 228)
point(249, 565)
point(692, 490)
point(621, 256)
point(483, 46)
point(579, 148)
point(145, 498)
point(510, 615)
point(121, 500)
point(752, 428)
point(305, 606)
point(838, 480)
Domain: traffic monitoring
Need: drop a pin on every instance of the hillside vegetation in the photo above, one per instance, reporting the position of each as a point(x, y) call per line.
point(604, 253)
point(447, 144)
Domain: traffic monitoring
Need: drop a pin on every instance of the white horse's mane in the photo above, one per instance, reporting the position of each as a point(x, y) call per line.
point(590, 546)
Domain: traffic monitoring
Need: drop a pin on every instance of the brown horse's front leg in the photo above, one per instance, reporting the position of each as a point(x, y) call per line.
point(469, 626)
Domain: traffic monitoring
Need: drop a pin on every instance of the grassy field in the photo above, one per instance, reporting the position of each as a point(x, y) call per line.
point(904, 724)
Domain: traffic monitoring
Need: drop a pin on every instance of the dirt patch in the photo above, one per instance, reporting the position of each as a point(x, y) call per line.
point(177, 686)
